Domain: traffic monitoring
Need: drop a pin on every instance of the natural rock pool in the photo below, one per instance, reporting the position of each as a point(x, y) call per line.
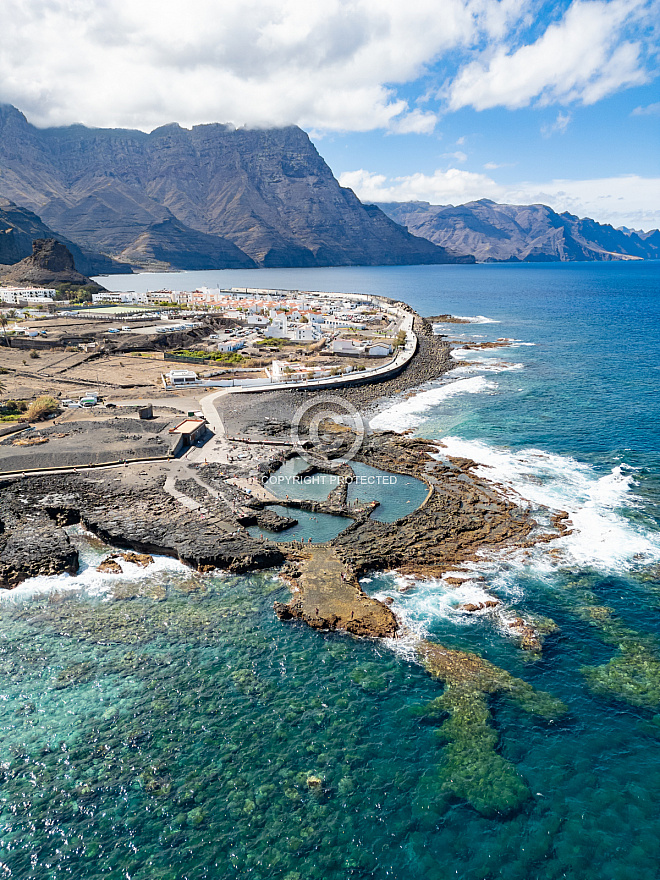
point(396, 494)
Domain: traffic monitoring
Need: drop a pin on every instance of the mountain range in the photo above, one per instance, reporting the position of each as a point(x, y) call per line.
point(19, 228)
point(525, 233)
point(208, 197)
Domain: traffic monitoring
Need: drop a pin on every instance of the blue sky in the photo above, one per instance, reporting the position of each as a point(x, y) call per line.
point(442, 100)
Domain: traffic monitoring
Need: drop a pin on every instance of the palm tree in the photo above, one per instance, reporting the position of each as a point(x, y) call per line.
point(3, 324)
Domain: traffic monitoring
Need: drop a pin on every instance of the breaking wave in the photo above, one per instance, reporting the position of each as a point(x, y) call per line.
point(411, 412)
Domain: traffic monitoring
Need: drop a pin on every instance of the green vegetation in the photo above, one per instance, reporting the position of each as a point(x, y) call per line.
point(400, 339)
point(224, 357)
point(33, 354)
point(40, 409)
point(77, 293)
point(3, 325)
point(278, 343)
point(10, 410)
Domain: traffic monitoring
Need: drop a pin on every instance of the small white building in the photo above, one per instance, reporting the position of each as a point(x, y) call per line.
point(304, 332)
point(346, 346)
point(130, 296)
point(279, 327)
point(181, 377)
point(379, 349)
point(34, 295)
point(257, 321)
point(230, 345)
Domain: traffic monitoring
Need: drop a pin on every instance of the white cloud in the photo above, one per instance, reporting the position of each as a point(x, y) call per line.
point(334, 65)
point(442, 187)
point(458, 156)
point(415, 122)
point(331, 65)
point(628, 200)
point(580, 58)
point(558, 126)
point(649, 110)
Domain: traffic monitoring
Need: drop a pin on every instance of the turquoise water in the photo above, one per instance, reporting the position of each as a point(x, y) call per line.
point(286, 481)
point(187, 733)
point(317, 526)
point(397, 494)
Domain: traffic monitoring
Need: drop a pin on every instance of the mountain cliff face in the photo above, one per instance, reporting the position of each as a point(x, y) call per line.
point(530, 233)
point(152, 197)
point(20, 227)
point(49, 264)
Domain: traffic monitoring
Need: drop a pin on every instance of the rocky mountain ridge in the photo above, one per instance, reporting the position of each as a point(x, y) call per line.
point(50, 264)
point(266, 197)
point(521, 233)
point(20, 227)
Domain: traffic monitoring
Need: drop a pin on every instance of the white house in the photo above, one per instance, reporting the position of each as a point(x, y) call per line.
point(379, 349)
point(304, 333)
point(257, 321)
point(35, 295)
point(125, 297)
point(181, 377)
point(279, 327)
point(346, 346)
point(230, 345)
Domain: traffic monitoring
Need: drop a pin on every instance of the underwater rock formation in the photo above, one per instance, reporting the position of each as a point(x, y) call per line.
point(471, 768)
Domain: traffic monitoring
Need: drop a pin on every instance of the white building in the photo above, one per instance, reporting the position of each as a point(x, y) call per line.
point(304, 332)
point(34, 295)
point(279, 328)
point(379, 349)
point(346, 346)
point(126, 297)
point(230, 345)
point(181, 377)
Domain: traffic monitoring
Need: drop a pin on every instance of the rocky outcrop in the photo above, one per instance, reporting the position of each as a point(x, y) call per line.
point(49, 264)
point(145, 521)
point(527, 233)
point(326, 595)
point(32, 545)
point(20, 227)
point(268, 192)
point(462, 515)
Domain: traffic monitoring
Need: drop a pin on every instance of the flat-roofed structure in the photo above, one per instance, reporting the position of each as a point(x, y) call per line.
point(186, 433)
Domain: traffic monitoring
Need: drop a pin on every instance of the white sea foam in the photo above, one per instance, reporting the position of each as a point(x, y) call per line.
point(602, 537)
point(473, 319)
point(411, 412)
point(477, 361)
point(93, 582)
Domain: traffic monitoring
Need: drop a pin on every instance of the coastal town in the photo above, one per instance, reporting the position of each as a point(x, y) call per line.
point(240, 337)
point(229, 432)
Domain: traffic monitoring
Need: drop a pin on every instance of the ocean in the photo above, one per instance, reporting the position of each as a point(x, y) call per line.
point(174, 728)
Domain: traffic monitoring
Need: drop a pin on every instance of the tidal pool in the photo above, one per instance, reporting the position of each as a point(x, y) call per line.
point(319, 527)
point(397, 494)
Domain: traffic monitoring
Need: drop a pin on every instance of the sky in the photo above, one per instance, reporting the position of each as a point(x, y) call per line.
point(443, 101)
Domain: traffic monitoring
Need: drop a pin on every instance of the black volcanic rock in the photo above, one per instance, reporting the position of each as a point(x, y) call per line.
point(50, 264)
point(529, 233)
point(268, 192)
point(20, 227)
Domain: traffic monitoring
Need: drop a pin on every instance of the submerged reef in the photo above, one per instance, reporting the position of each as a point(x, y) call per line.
point(471, 767)
point(633, 673)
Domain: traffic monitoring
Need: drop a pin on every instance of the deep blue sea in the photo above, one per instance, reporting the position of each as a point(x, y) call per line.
point(169, 727)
